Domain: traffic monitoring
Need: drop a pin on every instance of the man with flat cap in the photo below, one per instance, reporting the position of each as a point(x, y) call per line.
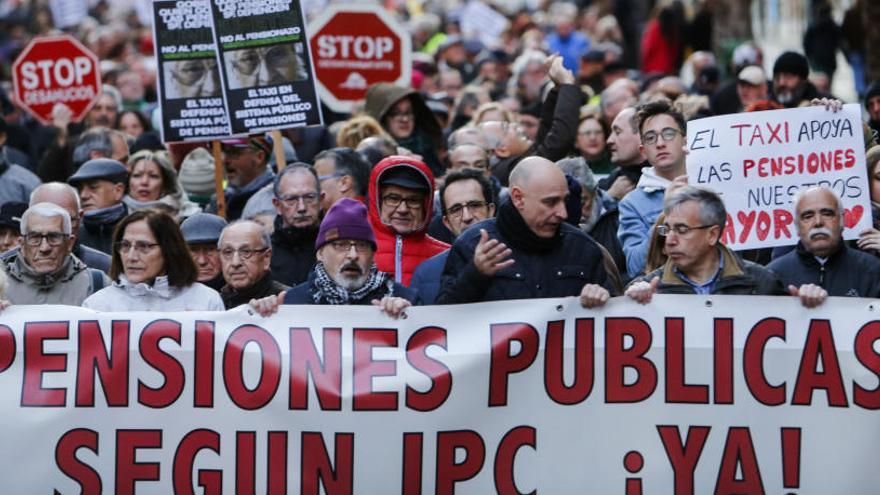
point(400, 200)
point(101, 186)
point(201, 233)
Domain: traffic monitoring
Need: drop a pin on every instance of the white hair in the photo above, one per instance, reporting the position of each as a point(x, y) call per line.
point(46, 210)
point(800, 194)
point(49, 185)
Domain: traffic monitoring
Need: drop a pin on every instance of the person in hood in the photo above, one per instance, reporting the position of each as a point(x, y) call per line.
point(401, 198)
point(405, 115)
point(44, 271)
point(152, 269)
point(297, 200)
point(662, 130)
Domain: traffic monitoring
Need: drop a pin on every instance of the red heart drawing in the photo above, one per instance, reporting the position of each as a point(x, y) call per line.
point(852, 217)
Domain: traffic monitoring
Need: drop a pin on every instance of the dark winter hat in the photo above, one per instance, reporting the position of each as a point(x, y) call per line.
point(147, 141)
point(873, 90)
point(404, 176)
point(202, 228)
point(10, 214)
point(100, 168)
point(346, 220)
point(792, 63)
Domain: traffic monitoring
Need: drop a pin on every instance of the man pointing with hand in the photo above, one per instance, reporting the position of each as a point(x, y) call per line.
point(528, 251)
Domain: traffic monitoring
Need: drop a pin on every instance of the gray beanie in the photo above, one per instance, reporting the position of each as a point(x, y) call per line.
point(197, 172)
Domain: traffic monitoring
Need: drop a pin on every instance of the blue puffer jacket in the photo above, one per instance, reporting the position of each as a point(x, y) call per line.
point(638, 211)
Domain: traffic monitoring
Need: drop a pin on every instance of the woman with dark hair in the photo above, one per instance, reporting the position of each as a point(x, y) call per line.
point(132, 123)
point(590, 142)
point(152, 269)
point(663, 40)
point(153, 183)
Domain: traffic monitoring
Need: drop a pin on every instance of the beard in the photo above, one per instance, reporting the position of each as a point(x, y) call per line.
point(789, 96)
point(348, 281)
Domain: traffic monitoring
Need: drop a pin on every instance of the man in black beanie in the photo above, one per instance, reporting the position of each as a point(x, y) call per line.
point(791, 88)
point(872, 105)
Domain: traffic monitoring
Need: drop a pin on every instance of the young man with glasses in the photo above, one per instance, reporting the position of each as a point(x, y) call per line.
point(44, 271)
point(698, 262)
point(465, 199)
point(297, 200)
point(345, 273)
point(662, 130)
point(245, 256)
point(400, 202)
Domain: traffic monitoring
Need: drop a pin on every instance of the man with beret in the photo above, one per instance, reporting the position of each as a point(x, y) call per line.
point(791, 88)
point(201, 233)
point(401, 198)
point(345, 272)
point(101, 186)
point(10, 225)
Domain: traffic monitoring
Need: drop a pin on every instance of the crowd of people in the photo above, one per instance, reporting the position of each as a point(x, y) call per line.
point(547, 165)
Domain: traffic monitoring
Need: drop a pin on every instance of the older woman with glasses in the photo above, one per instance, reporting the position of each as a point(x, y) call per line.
point(152, 269)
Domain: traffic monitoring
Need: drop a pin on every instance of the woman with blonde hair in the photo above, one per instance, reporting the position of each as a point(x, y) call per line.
point(358, 128)
point(153, 183)
point(492, 111)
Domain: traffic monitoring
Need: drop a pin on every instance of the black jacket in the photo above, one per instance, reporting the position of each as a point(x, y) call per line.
point(848, 272)
point(99, 235)
point(293, 253)
point(557, 133)
point(572, 263)
point(304, 293)
point(262, 288)
point(738, 277)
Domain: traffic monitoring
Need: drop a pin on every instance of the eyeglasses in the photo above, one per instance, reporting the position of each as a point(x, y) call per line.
point(591, 133)
point(345, 246)
point(457, 210)
point(142, 247)
point(680, 229)
point(290, 200)
point(190, 71)
point(667, 133)
point(394, 200)
point(247, 61)
point(244, 253)
point(53, 238)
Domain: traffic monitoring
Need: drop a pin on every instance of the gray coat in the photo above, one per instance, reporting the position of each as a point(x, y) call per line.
point(70, 285)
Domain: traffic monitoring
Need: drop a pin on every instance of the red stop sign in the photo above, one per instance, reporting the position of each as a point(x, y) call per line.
point(56, 69)
point(355, 46)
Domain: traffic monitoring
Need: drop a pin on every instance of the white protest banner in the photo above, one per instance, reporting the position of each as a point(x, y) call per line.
point(478, 20)
point(688, 394)
point(758, 162)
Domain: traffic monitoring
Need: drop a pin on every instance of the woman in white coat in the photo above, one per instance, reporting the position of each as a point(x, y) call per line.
point(152, 269)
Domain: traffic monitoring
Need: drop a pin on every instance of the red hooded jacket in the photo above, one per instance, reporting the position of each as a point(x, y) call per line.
point(396, 254)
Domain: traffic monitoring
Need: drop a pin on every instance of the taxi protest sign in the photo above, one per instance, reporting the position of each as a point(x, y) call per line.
point(758, 162)
point(53, 70)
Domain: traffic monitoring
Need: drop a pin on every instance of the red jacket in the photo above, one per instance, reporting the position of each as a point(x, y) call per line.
point(396, 254)
point(658, 53)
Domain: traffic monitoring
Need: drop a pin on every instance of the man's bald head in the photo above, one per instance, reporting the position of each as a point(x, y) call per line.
point(61, 194)
point(538, 190)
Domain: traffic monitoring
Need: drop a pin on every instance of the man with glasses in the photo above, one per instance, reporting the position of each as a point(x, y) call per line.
point(698, 262)
point(465, 199)
point(345, 273)
point(245, 255)
point(401, 194)
point(343, 173)
point(662, 130)
point(264, 65)
point(44, 271)
point(297, 200)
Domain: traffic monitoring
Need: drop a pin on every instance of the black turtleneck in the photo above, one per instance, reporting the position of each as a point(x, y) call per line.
point(293, 253)
point(518, 234)
point(262, 288)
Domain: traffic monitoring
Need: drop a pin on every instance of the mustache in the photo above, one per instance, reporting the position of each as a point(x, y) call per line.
point(814, 232)
point(351, 265)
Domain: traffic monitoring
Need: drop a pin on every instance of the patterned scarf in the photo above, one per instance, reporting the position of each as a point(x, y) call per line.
point(329, 292)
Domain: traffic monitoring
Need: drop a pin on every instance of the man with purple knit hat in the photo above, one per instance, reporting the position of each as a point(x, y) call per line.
point(345, 272)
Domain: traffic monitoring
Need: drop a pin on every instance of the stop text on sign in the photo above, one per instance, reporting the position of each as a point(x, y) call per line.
point(61, 72)
point(362, 47)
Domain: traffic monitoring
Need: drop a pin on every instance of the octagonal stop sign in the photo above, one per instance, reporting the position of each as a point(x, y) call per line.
point(56, 69)
point(355, 46)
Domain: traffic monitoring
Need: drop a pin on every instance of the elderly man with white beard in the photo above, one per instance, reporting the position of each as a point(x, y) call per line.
point(345, 272)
